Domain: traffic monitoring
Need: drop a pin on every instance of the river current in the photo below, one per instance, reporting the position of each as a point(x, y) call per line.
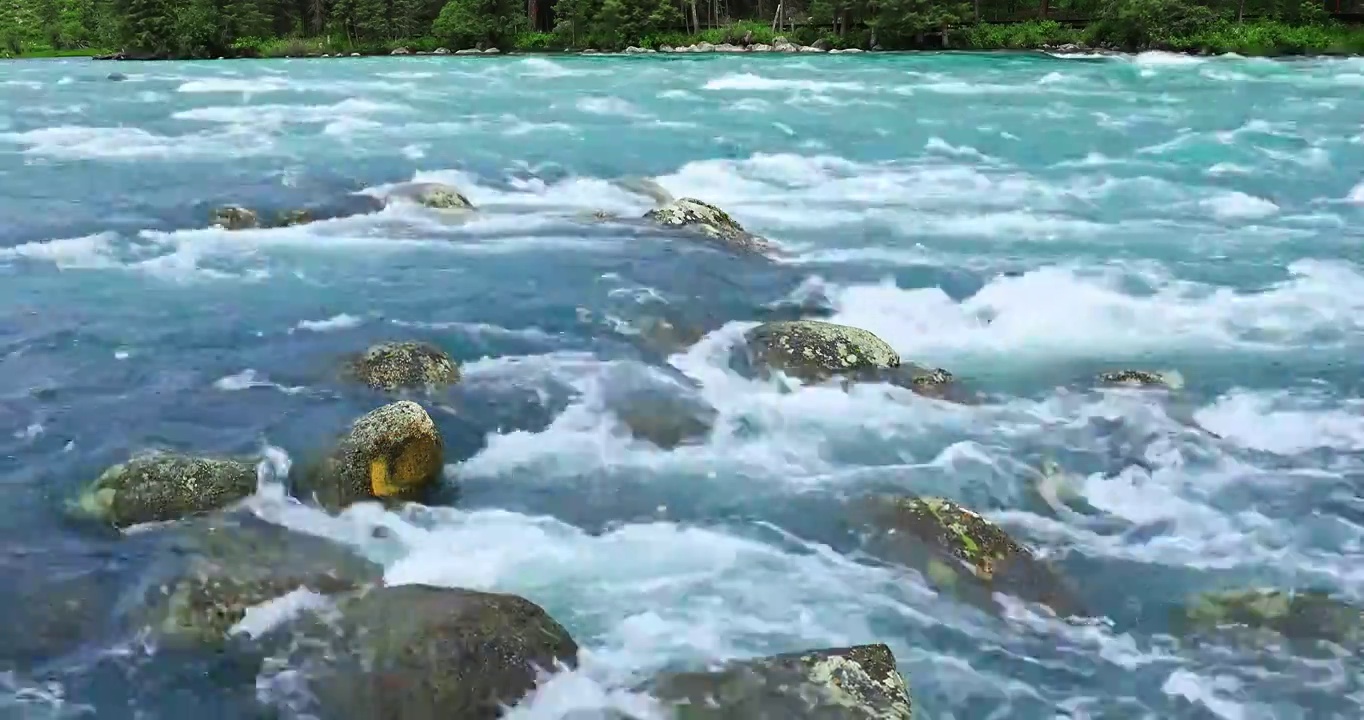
point(1022, 220)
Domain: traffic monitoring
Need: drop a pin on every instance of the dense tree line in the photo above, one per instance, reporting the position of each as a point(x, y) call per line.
point(214, 28)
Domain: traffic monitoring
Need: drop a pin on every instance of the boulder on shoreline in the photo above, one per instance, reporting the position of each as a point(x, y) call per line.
point(852, 683)
point(392, 453)
point(392, 366)
point(960, 552)
point(420, 652)
point(165, 486)
point(712, 223)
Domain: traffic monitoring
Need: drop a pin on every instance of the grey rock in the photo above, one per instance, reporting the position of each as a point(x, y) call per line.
point(234, 217)
point(814, 351)
point(393, 453)
point(161, 487)
point(713, 224)
point(437, 196)
point(393, 365)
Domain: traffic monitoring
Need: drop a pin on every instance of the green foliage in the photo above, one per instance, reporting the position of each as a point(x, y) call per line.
point(300, 28)
point(491, 23)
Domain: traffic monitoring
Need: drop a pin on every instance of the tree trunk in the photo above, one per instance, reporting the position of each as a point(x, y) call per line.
point(1240, 11)
point(977, 4)
point(776, 18)
point(1046, 6)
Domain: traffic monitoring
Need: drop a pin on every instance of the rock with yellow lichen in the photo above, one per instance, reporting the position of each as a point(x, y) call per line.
point(165, 486)
point(712, 224)
point(854, 683)
point(1270, 614)
point(392, 453)
point(961, 552)
point(391, 366)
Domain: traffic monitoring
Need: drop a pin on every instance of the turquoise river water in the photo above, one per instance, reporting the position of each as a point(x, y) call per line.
point(1022, 220)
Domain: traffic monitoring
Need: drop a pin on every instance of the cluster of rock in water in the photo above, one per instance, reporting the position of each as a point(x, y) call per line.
point(415, 651)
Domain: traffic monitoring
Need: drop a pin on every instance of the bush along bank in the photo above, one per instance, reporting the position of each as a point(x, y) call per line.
point(159, 29)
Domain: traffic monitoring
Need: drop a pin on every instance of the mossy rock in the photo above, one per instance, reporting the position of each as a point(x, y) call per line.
point(1303, 615)
point(392, 453)
point(394, 365)
point(935, 383)
point(1140, 379)
point(234, 217)
point(161, 487)
point(223, 566)
point(436, 196)
point(961, 552)
point(426, 653)
point(854, 683)
point(711, 222)
point(815, 351)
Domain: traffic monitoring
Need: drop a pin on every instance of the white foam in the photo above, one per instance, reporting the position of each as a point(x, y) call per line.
point(349, 109)
point(261, 618)
point(1286, 422)
point(751, 81)
point(74, 142)
point(249, 378)
point(1239, 206)
point(90, 251)
point(342, 321)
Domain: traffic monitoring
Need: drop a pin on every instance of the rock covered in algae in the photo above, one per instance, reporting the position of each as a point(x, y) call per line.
point(234, 217)
point(960, 551)
point(437, 196)
point(1301, 615)
point(393, 452)
point(426, 653)
point(853, 683)
point(814, 350)
point(1141, 379)
point(713, 223)
point(223, 566)
point(169, 486)
point(394, 365)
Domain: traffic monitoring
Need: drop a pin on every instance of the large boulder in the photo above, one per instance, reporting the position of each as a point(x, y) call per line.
point(392, 453)
point(221, 567)
point(854, 683)
point(421, 653)
point(960, 552)
point(1268, 613)
point(165, 486)
point(712, 223)
point(394, 365)
point(434, 195)
point(815, 351)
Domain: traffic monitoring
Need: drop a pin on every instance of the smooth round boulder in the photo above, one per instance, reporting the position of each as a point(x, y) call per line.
point(1305, 615)
point(814, 351)
point(234, 217)
point(712, 223)
point(418, 652)
point(853, 683)
point(437, 196)
point(168, 486)
point(960, 551)
point(222, 567)
point(394, 365)
point(392, 453)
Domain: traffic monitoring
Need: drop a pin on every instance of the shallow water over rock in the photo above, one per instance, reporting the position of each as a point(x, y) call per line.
point(1022, 221)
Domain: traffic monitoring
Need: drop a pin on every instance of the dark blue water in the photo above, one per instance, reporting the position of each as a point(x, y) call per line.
point(1024, 221)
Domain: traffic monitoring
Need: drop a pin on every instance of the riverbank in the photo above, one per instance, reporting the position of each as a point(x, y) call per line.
point(1260, 38)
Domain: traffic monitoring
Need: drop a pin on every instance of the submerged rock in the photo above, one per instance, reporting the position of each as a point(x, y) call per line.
point(170, 486)
point(855, 683)
point(935, 383)
point(1302, 615)
point(235, 217)
point(1142, 379)
point(665, 416)
point(224, 566)
point(290, 218)
point(421, 653)
point(960, 551)
point(434, 195)
point(394, 365)
point(814, 351)
point(713, 223)
point(391, 453)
